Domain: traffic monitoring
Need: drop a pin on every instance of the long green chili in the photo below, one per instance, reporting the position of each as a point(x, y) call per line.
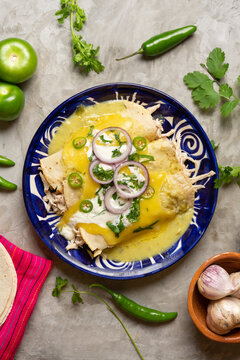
point(138, 311)
point(6, 162)
point(7, 185)
point(163, 42)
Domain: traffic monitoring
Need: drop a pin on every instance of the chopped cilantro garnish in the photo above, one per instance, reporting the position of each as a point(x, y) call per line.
point(118, 228)
point(102, 174)
point(90, 131)
point(117, 137)
point(116, 153)
point(149, 227)
point(133, 215)
point(104, 140)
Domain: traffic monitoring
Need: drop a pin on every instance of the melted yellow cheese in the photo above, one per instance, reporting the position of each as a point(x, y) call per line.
point(129, 245)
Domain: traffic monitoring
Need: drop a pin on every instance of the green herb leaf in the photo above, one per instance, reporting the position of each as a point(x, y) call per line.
point(60, 284)
point(205, 95)
point(215, 146)
point(116, 228)
point(195, 79)
point(76, 298)
point(117, 137)
point(225, 90)
point(227, 174)
point(238, 80)
point(134, 214)
point(104, 140)
point(116, 153)
point(84, 54)
point(149, 227)
point(101, 174)
point(215, 63)
point(90, 134)
point(140, 157)
point(228, 107)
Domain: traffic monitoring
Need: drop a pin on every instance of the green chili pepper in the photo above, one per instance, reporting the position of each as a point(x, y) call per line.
point(138, 311)
point(7, 185)
point(75, 180)
point(149, 192)
point(6, 162)
point(86, 206)
point(139, 143)
point(161, 43)
point(79, 142)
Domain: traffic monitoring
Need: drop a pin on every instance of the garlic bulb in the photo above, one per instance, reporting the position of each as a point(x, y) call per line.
point(235, 278)
point(223, 315)
point(215, 283)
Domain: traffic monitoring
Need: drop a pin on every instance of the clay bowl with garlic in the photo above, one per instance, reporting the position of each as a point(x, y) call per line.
point(197, 303)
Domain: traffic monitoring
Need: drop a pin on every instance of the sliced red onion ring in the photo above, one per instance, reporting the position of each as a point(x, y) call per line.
point(108, 198)
point(117, 159)
point(132, 194)
point(92, 166)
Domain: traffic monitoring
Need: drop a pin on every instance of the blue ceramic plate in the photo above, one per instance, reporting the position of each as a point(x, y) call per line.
point(193, 140)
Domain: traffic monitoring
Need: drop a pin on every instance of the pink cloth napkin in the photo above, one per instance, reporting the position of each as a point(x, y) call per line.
point(32, 271)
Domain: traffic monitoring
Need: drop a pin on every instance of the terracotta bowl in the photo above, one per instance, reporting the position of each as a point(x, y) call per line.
point(197, 304)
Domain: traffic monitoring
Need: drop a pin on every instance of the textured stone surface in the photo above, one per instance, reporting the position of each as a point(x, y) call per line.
point(58, 330)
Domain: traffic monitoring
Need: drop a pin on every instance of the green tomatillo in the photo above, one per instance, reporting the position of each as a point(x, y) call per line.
point(11, 101)
point(18, 60)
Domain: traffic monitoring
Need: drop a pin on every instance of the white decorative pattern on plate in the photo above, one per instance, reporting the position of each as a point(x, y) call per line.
point(193, 140)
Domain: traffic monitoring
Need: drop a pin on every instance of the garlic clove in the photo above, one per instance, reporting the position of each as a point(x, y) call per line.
point(223, 315)
point(215, 283)
point(235, 278)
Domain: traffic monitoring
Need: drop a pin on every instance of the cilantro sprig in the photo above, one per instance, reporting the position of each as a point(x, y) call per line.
point(202, 86)
point(76, 298)
point(84, 54)
point(227, 175)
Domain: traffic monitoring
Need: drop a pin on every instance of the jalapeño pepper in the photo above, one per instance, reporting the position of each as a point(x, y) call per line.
point(138, 311)
point(163, 42)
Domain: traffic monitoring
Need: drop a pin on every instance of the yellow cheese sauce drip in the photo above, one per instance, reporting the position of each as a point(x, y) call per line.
point(151, 242)
point(128, 246)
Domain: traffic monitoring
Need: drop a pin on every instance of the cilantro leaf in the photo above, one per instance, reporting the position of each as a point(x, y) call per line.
point(104, 140)
point(215, 146)
point(60, 284)
point(225, 90)
point(90, 134)
point(227, 174)
point(76, 298)
point(228, 107)
point(84, 54)
point(195, 79)
point(149, 227)
point(215, 64)
point(205, 95)
point(116, 228)
point(238, 80)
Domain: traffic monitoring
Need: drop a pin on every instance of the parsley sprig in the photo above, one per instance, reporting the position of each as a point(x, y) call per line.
point(76, 298)
point(84, 54)
point(202, 86)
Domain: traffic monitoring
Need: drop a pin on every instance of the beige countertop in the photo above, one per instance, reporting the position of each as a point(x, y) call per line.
point(58, 330)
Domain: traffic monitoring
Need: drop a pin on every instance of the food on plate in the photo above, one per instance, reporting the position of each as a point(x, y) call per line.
point(118, 182)
point(136, 310)
point(161, 43)
point(11, 101)
point(8, 284)
point(222, 288)
point(18, 60)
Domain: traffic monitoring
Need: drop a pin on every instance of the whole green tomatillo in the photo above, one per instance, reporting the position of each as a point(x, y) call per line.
point(11, 101)
point(18, 60)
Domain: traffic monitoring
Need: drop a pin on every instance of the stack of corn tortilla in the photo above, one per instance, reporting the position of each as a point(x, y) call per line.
point(8, 284)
